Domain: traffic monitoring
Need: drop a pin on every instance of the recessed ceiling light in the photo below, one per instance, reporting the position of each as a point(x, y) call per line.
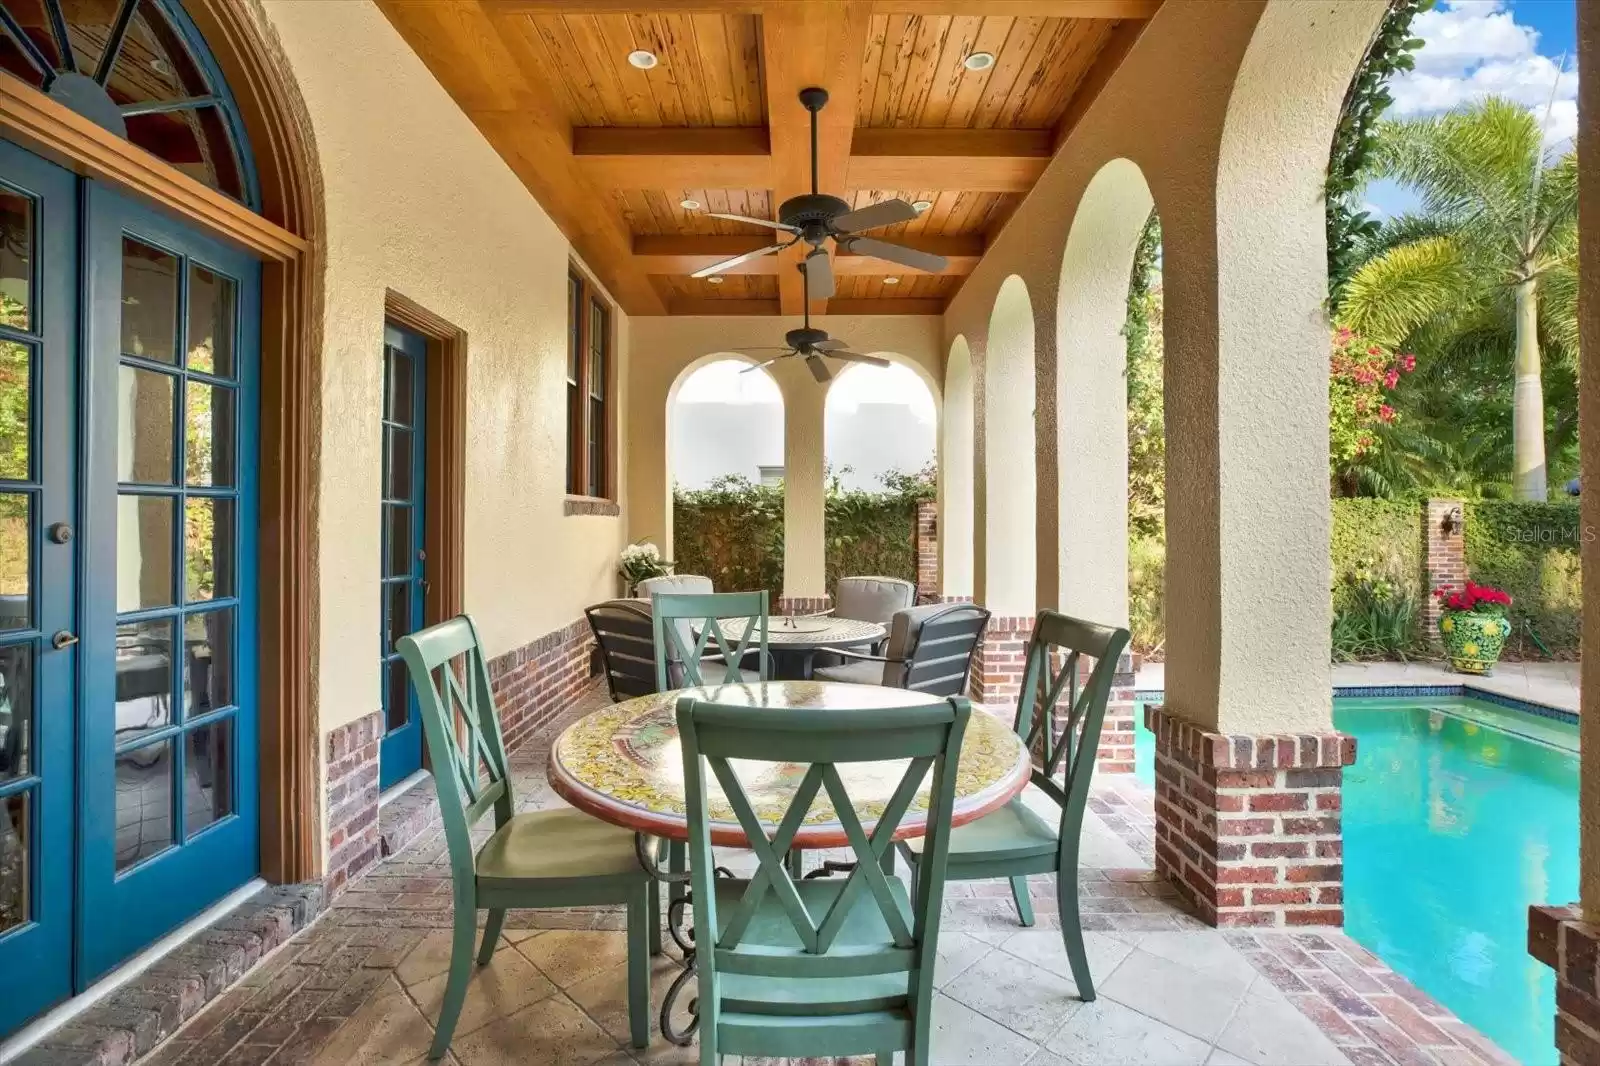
point(976, 61)
point(891, 280)
point(645, 60)
point(922, 205)
point(689, 205)
point(714, 280)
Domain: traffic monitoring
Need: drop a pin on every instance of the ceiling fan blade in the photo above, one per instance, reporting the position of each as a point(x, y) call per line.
point(722, 267)
point(763, 366)
point(754, 221)
point(762, 348)
point(857, 357)
point(830, 345)
point(886, 213)
point(819, 369)
point(819, 272)
point(898, 253)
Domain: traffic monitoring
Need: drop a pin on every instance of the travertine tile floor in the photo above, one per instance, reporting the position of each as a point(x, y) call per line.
point(362, 986)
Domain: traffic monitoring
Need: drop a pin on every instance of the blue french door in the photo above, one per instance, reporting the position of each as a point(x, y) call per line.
point(402, 565)
point(38, 566)
point(167, 755)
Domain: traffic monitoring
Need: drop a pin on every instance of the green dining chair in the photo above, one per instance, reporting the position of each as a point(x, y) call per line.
point(808, 969)
point(552, 858)
point(1014, 841)
point(684, 660)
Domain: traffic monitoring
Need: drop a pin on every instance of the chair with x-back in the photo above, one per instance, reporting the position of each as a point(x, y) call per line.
point(821, 968)
point(552, 858)
point(731, 627)
point(1016, 841)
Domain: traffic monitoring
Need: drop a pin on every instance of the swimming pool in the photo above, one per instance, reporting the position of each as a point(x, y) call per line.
point(1458, 814)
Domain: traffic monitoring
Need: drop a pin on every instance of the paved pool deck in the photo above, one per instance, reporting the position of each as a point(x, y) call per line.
point(1551, 684)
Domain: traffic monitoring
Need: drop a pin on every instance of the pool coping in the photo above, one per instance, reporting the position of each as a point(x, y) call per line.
point(1515, 703)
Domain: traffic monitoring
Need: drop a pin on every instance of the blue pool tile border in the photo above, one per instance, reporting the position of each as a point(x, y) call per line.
point(1527, 706)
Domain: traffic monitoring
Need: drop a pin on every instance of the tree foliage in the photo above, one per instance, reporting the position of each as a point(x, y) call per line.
point(1147, 442)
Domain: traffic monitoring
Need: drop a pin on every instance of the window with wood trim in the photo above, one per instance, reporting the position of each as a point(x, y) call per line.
point(589, 376)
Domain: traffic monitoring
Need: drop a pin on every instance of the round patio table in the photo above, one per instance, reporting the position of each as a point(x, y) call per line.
point(793, 641)
point(624, 765)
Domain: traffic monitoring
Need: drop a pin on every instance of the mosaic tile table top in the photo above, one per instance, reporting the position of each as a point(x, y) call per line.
point(809, 631)
point(624, 764)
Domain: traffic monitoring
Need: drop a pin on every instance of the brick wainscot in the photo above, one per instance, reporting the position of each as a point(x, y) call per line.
point(1249, 828)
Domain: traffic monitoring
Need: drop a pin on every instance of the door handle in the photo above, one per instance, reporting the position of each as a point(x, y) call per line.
point(63, 639)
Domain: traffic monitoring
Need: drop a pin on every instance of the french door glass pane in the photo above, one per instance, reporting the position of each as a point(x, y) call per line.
point(16, 261)
point(145, 528)
point(208, 776)
point(398, 393)
point(396, 613)
point(208, 662)
point(16, 551)
point(144, 803)
point(397, 462)
point(16, 712)
point(208, 434)
point(149, 302)
point(16, 404)
point(208, 549)
point(211, 322)
point(397, 528)
point(16, 869)
point(146, 447)
point(144, 678)
point(397, 707)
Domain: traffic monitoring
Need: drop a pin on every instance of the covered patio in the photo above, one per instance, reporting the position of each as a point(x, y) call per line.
point(477, 248)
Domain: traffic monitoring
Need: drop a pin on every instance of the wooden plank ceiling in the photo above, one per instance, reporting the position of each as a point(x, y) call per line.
point(613, 152)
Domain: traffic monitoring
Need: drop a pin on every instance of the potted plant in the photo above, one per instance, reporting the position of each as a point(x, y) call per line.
point(1474, 626)
point(638, 562)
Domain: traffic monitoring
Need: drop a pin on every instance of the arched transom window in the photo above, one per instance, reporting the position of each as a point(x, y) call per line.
point(139, 69)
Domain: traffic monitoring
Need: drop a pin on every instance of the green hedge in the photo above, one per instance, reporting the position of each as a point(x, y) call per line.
point(1381, 536)
point(733, 533)
point(1531, 550)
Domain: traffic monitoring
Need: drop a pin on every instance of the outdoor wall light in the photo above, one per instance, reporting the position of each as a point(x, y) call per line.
point(1452, 521)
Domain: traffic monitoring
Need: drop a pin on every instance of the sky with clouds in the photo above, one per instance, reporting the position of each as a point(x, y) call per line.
point(1521, 49)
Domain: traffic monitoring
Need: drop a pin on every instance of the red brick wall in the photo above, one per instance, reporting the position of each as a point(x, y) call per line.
point(1115, 754)
point(535, 683)
point(1444, 559)
point(351, 799)
point(1249, 827)
point(996, 676)
point(1563, 941)
point(804, 604)
point(927, 535)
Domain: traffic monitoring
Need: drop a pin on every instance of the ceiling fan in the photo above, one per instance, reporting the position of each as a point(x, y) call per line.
point(812, 344)
point(816, 217)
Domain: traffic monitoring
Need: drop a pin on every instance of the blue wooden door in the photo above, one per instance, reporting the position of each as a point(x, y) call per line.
point(403, 561)
point(38, 549)
point(167, 755)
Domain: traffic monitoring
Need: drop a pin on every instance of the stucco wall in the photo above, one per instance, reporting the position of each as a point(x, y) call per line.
point(418, 202)
point(668, 347)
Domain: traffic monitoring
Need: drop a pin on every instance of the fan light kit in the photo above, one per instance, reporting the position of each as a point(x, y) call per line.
point(689, 205)
point(921, 205)
point(979, 61)
point(645, 60)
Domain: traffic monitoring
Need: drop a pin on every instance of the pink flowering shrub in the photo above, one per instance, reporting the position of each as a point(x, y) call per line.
point(1360, 377)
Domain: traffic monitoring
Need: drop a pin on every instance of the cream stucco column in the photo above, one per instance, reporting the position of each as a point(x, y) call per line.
point(1007, 486)
point(804, 402)
point(956, 455)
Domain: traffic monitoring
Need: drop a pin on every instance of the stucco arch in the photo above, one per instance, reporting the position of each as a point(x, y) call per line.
point(1008, 487)
point(896, 360)
point(1091, 392)
point(956, 488)
point(670, 405)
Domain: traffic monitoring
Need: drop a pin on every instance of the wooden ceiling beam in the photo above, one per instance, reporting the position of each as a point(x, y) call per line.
point(896, 305)
point(684, 305)
point(462, 46)
point(714, 157)
point(680, 255)
point(1075, 9)
point(810, 43)
point(964, 160)
point(1116, 49)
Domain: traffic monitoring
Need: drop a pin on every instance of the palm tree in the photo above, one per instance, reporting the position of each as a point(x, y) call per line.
point(1487, 268)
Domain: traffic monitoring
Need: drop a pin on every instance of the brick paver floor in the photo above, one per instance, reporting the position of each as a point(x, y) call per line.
point(362, 985)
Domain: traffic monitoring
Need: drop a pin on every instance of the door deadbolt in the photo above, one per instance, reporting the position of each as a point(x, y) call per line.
point(63, 639)
point(60, 532)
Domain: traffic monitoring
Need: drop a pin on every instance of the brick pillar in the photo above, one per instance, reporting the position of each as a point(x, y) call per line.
point(1444, 560)
point(1249, 827)
point(1115, 754)
point(1563, 941)
point(927, 543)
point(996, 678)
point(804, 604)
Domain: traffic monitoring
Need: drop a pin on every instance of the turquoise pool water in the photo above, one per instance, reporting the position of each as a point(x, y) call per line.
point(1457, 816)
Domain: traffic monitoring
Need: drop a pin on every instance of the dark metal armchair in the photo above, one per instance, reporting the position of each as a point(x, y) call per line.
point(930, 650)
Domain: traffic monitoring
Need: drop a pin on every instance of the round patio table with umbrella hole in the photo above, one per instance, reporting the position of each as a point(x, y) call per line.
point(794, 640)
point(623, 764)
